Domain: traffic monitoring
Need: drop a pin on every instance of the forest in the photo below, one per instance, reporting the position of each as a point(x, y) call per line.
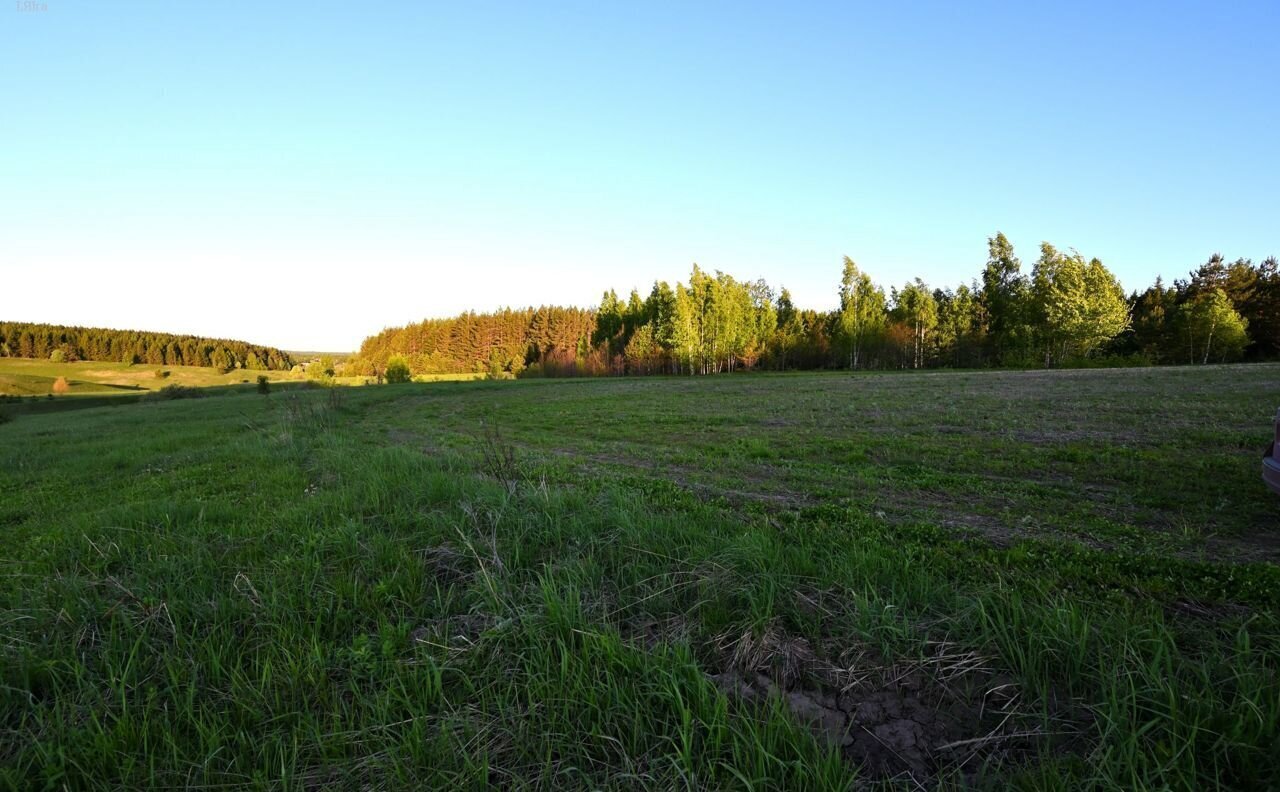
point(69, 344)
point(1066, 311)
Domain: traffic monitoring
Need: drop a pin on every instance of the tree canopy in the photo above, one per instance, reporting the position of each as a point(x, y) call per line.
point(1068, 309)
point(29, 340)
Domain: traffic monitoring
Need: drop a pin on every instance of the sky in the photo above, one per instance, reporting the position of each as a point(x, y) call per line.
point(305, 174)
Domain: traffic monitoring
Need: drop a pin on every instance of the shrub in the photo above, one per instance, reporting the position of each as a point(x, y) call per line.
point(60, 385)
point(397, 370)
point(499, 459)
point(175, 392)
point(160, 374)
point(264, 385)
point(58, 356)
point(322, 369)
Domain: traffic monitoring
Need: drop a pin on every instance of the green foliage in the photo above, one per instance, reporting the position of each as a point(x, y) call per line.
point(610, 323)
point(1004, 297)
point(321, 369)
point(264, 385)
point(915, 309)
point(170, 392)
point(1068, 311)
point(643, 351)
point(1261, 309)
point(57, 356)
point(960, 335)
point(861, 314)
point(1211, 327)
point(1081, 305)
point(1153, 312)
point(19, 339)
point(397, 370)
point(464, 344)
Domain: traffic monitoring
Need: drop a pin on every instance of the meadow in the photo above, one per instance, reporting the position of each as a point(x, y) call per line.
point(28, 386)
point(25, 377)
point(993, 579)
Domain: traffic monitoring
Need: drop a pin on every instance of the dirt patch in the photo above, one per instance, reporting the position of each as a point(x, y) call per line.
point(946, 715)
point(649, 634)
point(968, 515)
point(1256, 546)
point(447, 565)
point(1056, 436)
point(687, 477)
point(1212, 612)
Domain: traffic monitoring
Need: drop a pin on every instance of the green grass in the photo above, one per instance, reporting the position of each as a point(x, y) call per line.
point(1062, 580)
point(24, 377)
point(362, 380)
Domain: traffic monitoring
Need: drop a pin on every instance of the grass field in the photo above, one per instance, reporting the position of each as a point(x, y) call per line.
point(1043, 580)
point(24, 377)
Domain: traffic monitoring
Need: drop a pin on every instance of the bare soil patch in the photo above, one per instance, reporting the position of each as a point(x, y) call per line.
point(947, 713)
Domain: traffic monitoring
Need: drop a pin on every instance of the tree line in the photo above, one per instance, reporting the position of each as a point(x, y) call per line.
point(508, 341)
point(1066, 310)
point(63, 343)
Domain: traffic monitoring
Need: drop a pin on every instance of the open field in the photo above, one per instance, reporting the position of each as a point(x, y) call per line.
point(24, 377)
point(416, 378)
point(1057, 580)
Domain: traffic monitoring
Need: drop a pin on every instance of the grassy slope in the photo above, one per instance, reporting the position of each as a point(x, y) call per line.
point(1062, 580)
point(23, 377)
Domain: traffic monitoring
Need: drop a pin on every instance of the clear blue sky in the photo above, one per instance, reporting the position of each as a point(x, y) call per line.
point(304, 174)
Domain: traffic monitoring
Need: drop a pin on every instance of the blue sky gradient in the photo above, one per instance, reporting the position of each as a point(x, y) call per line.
point(303, 174)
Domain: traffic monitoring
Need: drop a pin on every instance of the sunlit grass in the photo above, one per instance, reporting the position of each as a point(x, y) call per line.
point(24, 377)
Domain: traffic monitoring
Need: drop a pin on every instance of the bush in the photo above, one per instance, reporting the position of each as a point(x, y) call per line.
point(264, 384)
point(398, 370)
point(322, 369)
point(160, 374)
point(60, 385)
point(175, 392)
point(58, 356)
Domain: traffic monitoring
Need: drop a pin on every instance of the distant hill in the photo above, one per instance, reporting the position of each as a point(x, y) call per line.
point(61, 342)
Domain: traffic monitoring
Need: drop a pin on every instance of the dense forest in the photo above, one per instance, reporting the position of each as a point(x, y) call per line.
point(556, 340)
point(1067, 310)
point(58, 342)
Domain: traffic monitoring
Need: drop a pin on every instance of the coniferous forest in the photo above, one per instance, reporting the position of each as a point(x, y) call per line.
point(1063, 310)
point(59, 342)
